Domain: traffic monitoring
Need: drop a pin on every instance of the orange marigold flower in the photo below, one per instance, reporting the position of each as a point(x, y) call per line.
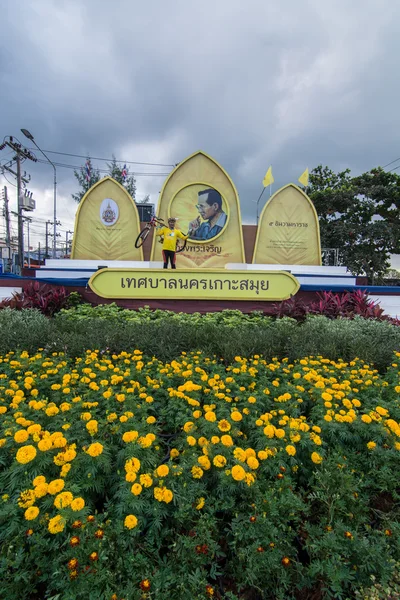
point(145, 585)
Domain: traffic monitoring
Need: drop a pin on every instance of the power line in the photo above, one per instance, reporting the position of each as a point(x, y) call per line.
point(127, 162)
point(393, 161)
point(78, 167)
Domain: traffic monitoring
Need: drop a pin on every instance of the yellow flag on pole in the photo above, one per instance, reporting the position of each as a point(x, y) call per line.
point(268, 179)
point(304, 178)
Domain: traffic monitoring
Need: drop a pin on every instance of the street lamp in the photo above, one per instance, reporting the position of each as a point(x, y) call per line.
point(30, 137)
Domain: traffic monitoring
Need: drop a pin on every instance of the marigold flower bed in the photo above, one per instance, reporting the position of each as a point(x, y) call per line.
point(124, 477)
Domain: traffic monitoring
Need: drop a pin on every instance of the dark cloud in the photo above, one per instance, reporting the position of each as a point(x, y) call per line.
point(291, 84)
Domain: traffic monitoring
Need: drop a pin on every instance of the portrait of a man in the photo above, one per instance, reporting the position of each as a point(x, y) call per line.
point(211, 219)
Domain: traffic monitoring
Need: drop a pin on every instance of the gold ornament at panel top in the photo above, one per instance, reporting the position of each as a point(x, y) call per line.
point(201, 195)
point(106, 224)
point(288, 231)
point(193, 284)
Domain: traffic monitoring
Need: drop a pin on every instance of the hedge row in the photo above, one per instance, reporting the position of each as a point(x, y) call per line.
point(224, 334)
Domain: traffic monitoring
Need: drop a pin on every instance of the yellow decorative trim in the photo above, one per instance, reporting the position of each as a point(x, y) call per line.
point(103, 180)
point(270, 200)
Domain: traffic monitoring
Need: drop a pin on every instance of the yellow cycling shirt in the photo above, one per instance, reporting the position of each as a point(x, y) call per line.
point(171, 236)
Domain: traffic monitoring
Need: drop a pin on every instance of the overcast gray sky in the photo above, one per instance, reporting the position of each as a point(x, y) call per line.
point(252, 83)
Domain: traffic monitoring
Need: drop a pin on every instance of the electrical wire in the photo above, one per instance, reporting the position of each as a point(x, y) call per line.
point(78, 167)
point(393, 161)
point(126, 162)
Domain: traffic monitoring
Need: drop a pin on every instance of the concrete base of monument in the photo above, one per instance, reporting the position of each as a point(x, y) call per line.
point(75, 274)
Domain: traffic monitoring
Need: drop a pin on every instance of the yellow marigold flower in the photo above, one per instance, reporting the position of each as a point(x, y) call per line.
point(31, 513)
point(202, 442)
point(200, 503)
point(249, 479)
point(366, 419)
point(56, 486)
point(269, 431)
point(382, 411)
point(236, 416)
point(238, 473)
point(188, 426)
point(328, 418)
point(21, 436)
point(219, 461)
point(26, 454)
point(77, 504)
point(174, 453)
point(63, 500)
point(41, 490)
point(162, 470)
point(197, 472)
point(92, 426)
point(326, 396)
point(317, 440)
point(316, 458)
point(45, 445)
point(371, 445)
point(252, 462)
point(191, 440)
point(224, 425)
point(131, 476)
point(146, 480)
point(150, 420)
point(204, 461)
point(130, 522)
point(26, 498)
point(280, 433)
point(197, 414)
point(226, 440)
point(210, 416)
point(56, 524)
point(262, 455)
point(39, 480)
point(149, 399)
point(291, 450)
point(95, 449)
point(130, 436)
point(163, 494)
point(136, 489)
point(240, 454)
point(132, 464)
point(3, 410)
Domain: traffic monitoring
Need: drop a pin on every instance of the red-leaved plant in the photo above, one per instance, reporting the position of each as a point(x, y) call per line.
point(45, 298)
point(333, 305)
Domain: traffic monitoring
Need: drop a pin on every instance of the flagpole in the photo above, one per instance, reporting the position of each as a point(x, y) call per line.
point(258, 201)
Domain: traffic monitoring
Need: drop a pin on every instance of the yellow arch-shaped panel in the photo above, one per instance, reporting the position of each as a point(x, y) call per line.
point(288, 231)
point(106, 224)
point(218, 239)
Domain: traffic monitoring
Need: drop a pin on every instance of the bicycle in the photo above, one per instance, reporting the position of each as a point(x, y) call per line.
point(154, 222)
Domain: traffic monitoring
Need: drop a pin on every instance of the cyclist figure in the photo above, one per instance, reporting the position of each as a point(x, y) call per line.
point(171, 236)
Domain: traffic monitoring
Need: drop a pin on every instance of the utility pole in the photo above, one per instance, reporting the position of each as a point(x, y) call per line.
point(46, 252)
point(66, 241)
point(28, 220)
point(21, 153)
point(8, 239)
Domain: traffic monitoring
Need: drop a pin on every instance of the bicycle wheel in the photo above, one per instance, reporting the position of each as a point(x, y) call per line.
point(141, 237)
point(181, 248)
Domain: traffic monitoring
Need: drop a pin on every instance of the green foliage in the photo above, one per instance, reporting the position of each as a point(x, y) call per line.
point(84, 184)
point(227, 334)
point(115, 171)
point(358, 215)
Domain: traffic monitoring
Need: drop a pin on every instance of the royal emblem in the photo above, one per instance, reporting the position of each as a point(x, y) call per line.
point(109, 212)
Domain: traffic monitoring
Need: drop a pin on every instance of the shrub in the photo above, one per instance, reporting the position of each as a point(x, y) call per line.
point(128, 477)
point(48, 299)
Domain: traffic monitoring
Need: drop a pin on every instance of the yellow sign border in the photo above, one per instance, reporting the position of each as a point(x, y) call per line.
point(228, 210)
point(240, 241)
point(264, 209)
point(86, 196)
point(200, 274)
